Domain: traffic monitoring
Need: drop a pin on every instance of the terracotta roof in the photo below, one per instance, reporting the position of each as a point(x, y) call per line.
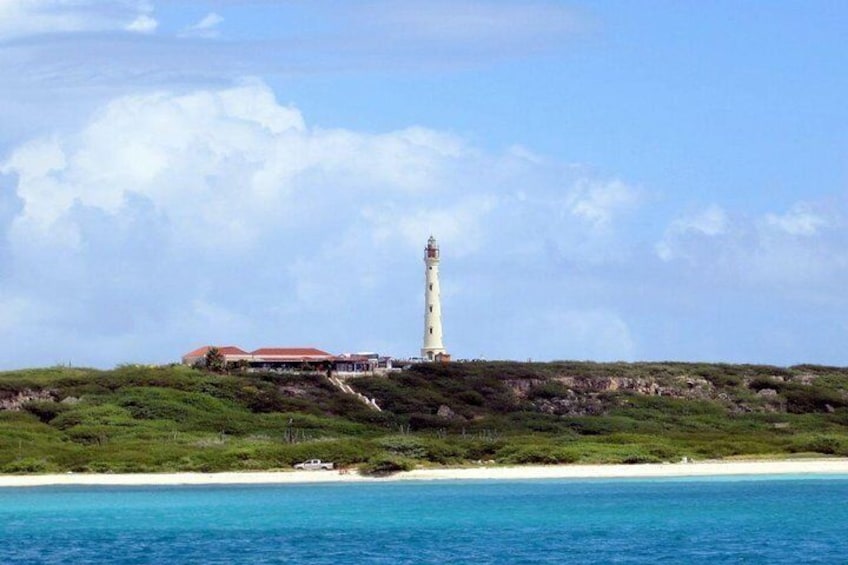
point(224, 349)
point(278, 353)
point(290, 352)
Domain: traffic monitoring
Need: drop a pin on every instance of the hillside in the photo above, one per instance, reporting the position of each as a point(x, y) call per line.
point(139, 419)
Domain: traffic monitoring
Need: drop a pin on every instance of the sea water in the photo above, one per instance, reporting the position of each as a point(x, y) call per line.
point(759, 520)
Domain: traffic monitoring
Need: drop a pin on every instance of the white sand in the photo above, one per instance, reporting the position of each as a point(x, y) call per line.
point(716, 468)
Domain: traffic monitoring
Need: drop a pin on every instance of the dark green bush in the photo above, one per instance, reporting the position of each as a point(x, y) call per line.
point(537, 454)
point(88, 414)
point(91, 434)
point(29, 465)
point(637, 458)
point(45, 410)
point(802, 399)
point(548, 390)
point(405, 446)
point(341, 452)
point(384, 465)
point(478, 448)
point(819, 443)
point(471, 397)
point(761, 383)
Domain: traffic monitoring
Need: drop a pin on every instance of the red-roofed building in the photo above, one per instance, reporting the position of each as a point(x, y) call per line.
point(291, 353)
point(291, 359)
point(231, 353)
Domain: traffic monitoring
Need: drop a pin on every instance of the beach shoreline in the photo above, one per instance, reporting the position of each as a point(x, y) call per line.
point(832, 466)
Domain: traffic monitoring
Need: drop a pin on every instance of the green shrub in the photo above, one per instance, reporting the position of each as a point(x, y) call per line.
point(801, 399)
point(385, 464)
point(29, 465)
point(341, 452)
point(539, 422)
point(405, 446)
point(721, 379)
point(87, 414)
point(761, 383)
point(476, 448)
point(548, 390)
point(97, 467)
point(538, 454)
point(89, 434)
point(639, 457)
point(421, 422)
point(819, 443)
point(471, 397)
point(444, 452)
point(45, 410)
point(599, 426)
point(664, 452)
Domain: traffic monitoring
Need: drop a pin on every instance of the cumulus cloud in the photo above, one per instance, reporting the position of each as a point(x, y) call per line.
point(599, 204)
point(219, 213)
point(709, 223)
point(170, 219)
point(237, 151)
point(245, 156)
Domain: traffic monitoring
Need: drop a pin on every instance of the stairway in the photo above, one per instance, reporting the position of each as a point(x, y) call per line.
point(346, 388)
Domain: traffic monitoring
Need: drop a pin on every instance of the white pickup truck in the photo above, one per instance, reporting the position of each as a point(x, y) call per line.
point(314, 465)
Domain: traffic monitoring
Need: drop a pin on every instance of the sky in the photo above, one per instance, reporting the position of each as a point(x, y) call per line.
point(622, 180)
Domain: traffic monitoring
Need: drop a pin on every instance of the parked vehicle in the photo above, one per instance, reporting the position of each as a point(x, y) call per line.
point(314, 465)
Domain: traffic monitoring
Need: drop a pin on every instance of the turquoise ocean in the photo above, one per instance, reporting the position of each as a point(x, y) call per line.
point(720, 520)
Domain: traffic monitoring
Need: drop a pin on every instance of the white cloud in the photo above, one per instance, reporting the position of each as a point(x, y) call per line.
point(179, 213)
point(20, 18)
point(710, 223)
point(171, 219)
point(525, 154)
point(209, 21)
point(800, 221)
point(207, 27)
point(156, 145)
point(143, 24)
point(776, 250)
point(459, 223)
point(600, 203)
point(370, 35)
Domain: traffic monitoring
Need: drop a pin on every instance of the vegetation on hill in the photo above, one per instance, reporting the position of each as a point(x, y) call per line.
point(174, 418)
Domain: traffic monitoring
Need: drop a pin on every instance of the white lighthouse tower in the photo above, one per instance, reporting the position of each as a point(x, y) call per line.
point(433, 348)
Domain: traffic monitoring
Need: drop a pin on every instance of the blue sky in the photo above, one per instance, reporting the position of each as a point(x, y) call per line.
point(633, 180)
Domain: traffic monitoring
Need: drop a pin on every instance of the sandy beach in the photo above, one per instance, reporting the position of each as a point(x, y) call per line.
point(699, 469)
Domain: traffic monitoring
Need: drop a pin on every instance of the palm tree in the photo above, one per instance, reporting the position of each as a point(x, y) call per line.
point(215, 360)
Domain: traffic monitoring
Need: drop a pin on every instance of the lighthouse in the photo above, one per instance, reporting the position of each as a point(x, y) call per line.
point(433, 348)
